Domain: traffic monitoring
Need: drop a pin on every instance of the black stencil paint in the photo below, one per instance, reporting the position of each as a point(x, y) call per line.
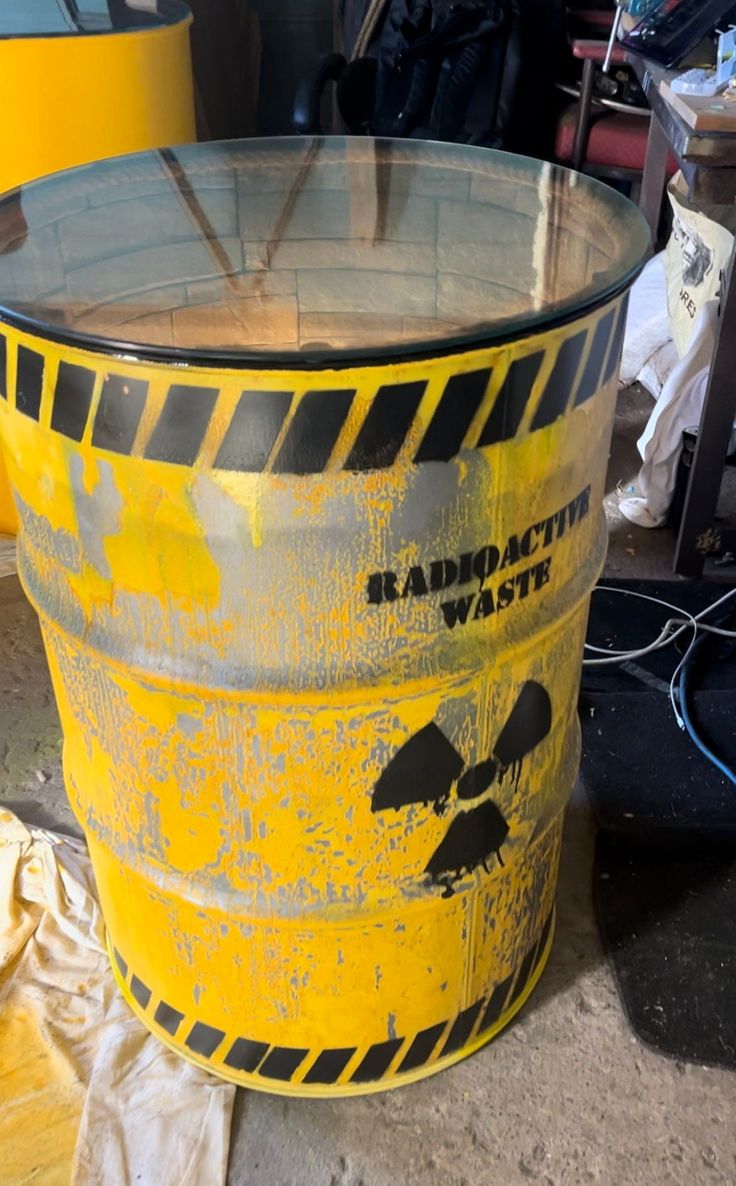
point(428, 767)
point(423, 771)
point(472, 837)
point(529, 723)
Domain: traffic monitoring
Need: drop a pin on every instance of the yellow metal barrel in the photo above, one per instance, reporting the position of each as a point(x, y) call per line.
point(308, 441)
point(83, 81)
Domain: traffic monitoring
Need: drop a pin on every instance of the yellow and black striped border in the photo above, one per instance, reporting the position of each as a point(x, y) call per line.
point(338, 1071)
point(312, 423)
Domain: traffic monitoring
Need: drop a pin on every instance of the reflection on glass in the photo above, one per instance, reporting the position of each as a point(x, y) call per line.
point(47, 18)
point(316, 246)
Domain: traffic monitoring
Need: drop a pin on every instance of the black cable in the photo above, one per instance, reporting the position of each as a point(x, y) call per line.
point(690, 727)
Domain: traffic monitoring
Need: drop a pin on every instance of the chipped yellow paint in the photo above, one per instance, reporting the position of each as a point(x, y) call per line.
point(8, 517)
point(345, 1088)
point(231, 694)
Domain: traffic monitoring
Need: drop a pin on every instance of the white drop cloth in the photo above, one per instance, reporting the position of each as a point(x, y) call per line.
point(87, 1095)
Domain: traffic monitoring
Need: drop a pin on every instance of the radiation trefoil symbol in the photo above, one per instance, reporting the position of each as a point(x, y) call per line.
point(427, 768)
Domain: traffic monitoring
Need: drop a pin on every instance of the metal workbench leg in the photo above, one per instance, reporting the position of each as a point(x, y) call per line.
point(582, 127)
point(696, 535)
point(655, 175)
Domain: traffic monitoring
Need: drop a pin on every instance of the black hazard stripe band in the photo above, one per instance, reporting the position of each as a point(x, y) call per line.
point(346, 1065)
point(282, 431)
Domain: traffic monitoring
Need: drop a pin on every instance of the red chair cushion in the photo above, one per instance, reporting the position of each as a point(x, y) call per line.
point(616, 140)
point(584, 48)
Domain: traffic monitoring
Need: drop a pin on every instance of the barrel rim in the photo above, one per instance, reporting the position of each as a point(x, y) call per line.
point(479, 336)
point(242, 360)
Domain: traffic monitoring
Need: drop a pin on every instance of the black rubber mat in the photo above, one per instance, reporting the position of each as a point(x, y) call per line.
point(665, 862)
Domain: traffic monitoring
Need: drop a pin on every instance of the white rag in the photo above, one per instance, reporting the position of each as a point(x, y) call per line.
point(678, 386)
point(679, 406)
point(87, 1095)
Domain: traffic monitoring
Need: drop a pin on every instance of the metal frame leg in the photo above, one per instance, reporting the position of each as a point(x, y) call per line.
point(655, 175)
point(582, 127)
point(696, 537)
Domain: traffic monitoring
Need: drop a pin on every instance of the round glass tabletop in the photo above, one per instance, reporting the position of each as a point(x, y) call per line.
point(311, 251)
point(64, 18)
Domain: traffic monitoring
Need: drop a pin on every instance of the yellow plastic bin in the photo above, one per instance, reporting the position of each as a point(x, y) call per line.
point(308, 441)
point(84, 80)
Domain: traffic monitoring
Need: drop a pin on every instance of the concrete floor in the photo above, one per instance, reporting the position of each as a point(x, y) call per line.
point(566, 1096)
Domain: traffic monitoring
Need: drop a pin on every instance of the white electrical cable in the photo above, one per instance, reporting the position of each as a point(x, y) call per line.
point(626, 654)
point(684, 621)
point(672, 630)
point(708, 629)
point(666, 636)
